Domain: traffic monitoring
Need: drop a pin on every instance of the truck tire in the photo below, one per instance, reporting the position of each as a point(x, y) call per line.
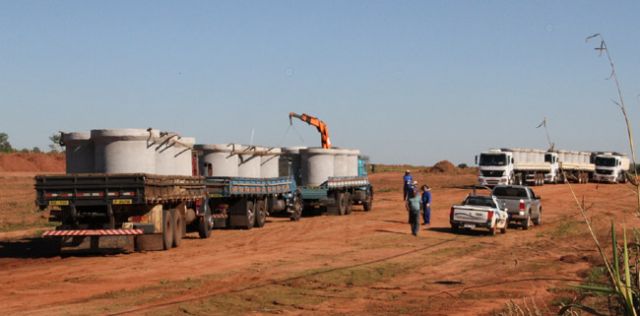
point(204, 224)
point(296, 212)
point(455, 229)
point(179, 228)
point(167, 229)
point(503, 230)
point(340, 203)
point(250, 215)
point(347, 203)
point(526, 224)
point(261, 212)
point(537, 221)
point(493, 230)
point(367, 204)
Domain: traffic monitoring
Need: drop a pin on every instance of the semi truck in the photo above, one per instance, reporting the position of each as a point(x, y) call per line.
point(512, 166)
point(122, 211)
point(574, 166)
point(611, 167)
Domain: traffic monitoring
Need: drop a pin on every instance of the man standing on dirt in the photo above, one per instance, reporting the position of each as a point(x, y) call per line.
point(408, 182)
point(413, 206)
point(426, 204)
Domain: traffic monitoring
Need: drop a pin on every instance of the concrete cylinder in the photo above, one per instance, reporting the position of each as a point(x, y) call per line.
point(249, 164)
point(352, 162)
point(218, 160)
point(317, 165)
point(290, 163)
point(270, 163)
point(124, 150)
point(78, 152)
point(165, 154)
point(341, 162)
point(183, 155)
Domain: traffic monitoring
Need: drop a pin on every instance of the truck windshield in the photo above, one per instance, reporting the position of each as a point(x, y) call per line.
point(493, 159)
point(509, 192)
point(479, 201)
point(547, 158)
point(605, 162)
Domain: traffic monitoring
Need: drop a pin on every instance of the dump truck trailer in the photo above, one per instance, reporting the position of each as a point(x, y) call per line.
point(115, 211)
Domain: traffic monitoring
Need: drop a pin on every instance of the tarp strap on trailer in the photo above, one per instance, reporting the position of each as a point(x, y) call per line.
point(93, 232)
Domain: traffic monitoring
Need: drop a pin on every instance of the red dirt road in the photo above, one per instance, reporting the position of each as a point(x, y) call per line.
point(364, 263)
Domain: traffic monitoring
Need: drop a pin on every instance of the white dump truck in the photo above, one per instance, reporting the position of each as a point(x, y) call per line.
point(611, 167)
point(568, 165)
point(512, 166)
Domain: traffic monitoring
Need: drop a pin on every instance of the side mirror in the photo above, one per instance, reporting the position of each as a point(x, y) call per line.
point(476, 159)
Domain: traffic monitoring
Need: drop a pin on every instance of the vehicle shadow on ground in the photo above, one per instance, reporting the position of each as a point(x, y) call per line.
point(29, 248)
point(466, 232)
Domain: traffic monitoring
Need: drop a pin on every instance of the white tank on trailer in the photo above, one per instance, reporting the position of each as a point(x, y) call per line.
point(79, 152)
point(218, 160)
point(270, 163)
point(184, 156)
point(249, 164)
point(317, 165)
point(124, 150)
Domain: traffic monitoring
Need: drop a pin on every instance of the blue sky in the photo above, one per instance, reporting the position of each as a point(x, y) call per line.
point(404, 81)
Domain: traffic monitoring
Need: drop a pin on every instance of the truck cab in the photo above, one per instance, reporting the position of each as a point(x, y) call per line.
point(553, 175)
point(611, 167)
point(495, 167)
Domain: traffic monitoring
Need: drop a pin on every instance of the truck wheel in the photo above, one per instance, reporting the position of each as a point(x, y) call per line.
point(455, 228)
point(503, 230)
point(340, 203)
point(537, 221)
point(167, 229)
point(179, 228)
point(368, 203)
point(347, 203)
point(261, 213)
point(527, 222)
point(250, 215)
point(204, 224)
point(297, 208)
point(493, 230)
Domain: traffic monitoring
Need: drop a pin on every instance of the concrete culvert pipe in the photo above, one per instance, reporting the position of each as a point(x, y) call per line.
point(183, 156)
point(317, 165)
point(125, 150)
point(341, 162)
point(269, 163)
point(290, 163)
point(352, 162)
point(165, 153)
point(79, 152)
point(218, 160)
point(249, 164)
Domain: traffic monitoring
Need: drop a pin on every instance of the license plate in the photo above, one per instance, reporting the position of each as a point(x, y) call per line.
point(122, 202)
point(59, 203)
point(469, 226)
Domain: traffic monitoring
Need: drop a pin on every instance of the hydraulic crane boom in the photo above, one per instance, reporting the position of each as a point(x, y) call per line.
point(314, 121)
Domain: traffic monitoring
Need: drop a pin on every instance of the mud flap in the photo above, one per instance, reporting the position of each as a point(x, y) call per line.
point(149, 242)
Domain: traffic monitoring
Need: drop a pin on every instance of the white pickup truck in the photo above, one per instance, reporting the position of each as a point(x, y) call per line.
point(479, 211)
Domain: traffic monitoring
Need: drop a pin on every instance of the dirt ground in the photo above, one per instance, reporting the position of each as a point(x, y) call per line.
point(362, 264)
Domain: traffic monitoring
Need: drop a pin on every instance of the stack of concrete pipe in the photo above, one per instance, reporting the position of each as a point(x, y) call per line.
point(319, 164)
point(128, 151)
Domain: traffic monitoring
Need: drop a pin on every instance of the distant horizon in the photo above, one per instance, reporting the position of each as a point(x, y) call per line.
point(411, 82)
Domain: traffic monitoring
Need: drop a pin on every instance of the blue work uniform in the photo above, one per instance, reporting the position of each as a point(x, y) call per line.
point(408, 183)
point(413, 204)
point(426, 199)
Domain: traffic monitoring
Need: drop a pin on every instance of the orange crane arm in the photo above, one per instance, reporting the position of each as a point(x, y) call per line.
point(314, 121)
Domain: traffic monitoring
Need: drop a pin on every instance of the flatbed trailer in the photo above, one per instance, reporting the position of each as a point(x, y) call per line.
point(246, 202)
point(146, 211)
point(337, 195)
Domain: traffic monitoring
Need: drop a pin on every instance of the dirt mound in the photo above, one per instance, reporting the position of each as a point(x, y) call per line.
point(32, 162)
point(443, 166)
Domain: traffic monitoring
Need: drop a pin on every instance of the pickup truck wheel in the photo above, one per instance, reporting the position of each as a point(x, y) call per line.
point(537, 221)
point(204, 225)
point(503, 230)
point(455, 228)
point(167, 230)
point(493, 230)
point(179, 228)
point(526, 224)
point(261, 213)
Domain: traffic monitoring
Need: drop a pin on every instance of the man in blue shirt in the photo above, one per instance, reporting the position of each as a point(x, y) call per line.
point(426, 204)
point(413, 206)
point(408, 182)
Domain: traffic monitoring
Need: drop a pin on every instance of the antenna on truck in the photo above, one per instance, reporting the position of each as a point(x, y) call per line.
point(546, 131)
